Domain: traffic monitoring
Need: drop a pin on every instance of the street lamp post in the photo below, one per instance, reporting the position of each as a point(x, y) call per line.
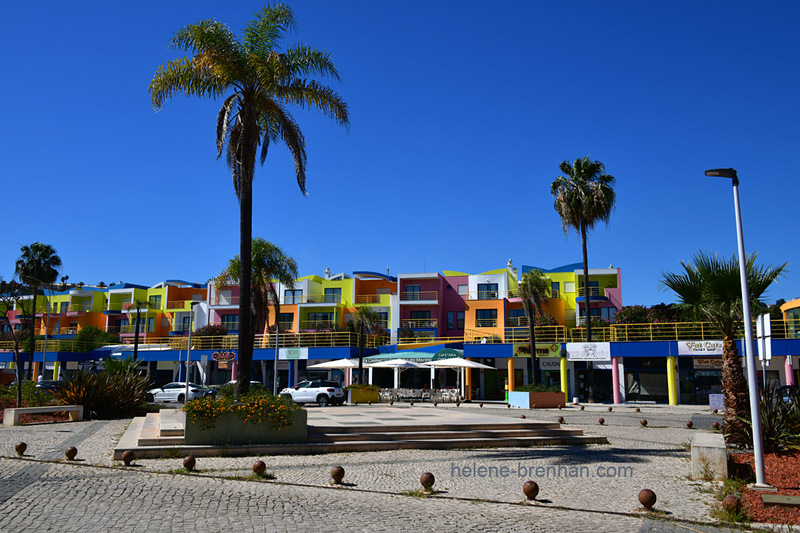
point(189, 349)
point(752, 380)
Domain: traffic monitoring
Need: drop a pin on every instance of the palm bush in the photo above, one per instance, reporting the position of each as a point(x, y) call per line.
point(780, 421)
point(108, 394)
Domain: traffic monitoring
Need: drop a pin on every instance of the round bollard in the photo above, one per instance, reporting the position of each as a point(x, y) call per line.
point(480, 405)
point(427, 480)
point(189, 462)
point(260, 467)
point(715, 425)
point(643, 422)
point(638, 410)
point(601, 421)
point(689, 424)
point(647, 498)
point(531, 489)
point(610, 409)
point(20, 448)
point(582, 408)
point(337, 475)
point(128, 457)
point(522, 417)
point(71, 453)
point(731, 503)
point(560, 419)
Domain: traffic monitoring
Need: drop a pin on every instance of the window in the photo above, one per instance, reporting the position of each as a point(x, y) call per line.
point(463, 290)
point(516, 317)
point(487, 291)
point(185, 324)
point(286, 320)
point(413, 292)
point(460, 320)
point(486, 318)
point(320, 320)
point(421, 319)
point(555, 289)
point(451, 320)
point(293, 296)
point(64, 307)
point(384, 319)
point(333, 296)
point(150, 322)
point(155, 301)
point(230, 322)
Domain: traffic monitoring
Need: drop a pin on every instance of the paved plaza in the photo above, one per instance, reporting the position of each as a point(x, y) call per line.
point(582, 488)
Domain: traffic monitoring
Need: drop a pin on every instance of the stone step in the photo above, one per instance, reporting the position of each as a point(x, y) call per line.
point(334, 436)
point(171, 422)
point(432, 427)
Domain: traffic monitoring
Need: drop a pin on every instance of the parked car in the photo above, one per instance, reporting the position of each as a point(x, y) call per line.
point(48, 385)
point(321, 392)
point(176, 392)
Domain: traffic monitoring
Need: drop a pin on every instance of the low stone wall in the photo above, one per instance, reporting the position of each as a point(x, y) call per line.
point(529, 400)
point(230, 430)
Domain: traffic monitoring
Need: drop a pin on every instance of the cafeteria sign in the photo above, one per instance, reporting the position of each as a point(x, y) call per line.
point(293, 353)
point(699, 347)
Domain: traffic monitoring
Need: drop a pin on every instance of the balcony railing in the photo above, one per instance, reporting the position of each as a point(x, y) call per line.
point(593, 291)
point(129, 328)
point(224, 300)
point(419, 323)
point(230, 326)
point(414, 296)
point(553, 334)
point(492, 295)
point(316, 299)
point(317, 324)
point(486, 322)
point(368, 298)
point(79, 308)
point(178, 304)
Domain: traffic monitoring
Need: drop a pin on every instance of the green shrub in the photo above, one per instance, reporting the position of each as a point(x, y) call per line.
point(91, 337)
point(31, 396)
point(536, 388)
point(106, 394)
point(780, 421)
point(252, 408)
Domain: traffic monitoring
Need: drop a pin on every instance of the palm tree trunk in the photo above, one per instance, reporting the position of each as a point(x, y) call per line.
point(735, 392)
point(29, 372)
point(587, 303)
point(247, 152)
point(360, 354)
point(136, 338)
point(532, 361)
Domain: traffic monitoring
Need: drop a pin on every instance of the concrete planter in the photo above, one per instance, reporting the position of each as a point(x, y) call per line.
point(231, 430)
point(527, 400)
point(363, 396)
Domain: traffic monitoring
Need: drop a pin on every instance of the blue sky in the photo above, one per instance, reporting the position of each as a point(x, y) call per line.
point(461, 113)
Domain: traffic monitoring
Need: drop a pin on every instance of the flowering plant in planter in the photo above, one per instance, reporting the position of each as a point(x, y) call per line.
point(250, 409)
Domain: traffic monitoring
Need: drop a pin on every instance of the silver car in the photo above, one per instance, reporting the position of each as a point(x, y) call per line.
point(176, 392)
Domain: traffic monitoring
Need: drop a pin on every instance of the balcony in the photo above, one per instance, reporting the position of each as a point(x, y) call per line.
point(593, 292)
point(178, 305)
point(368, 298)
point(79, 308)
point(416, 323)
point(419, 296)
point(224, 300)
point(129, 329)
point(486, 322)
point(316, 299)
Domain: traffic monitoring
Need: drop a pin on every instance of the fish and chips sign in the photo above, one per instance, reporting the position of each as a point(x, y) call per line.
point(542, 350)
point(588, 351)
point(699, 348)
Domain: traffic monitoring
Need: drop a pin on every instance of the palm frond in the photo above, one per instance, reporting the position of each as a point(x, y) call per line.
point(223, 117)
point(268, 28)
point(303, 93)
point(303, 61)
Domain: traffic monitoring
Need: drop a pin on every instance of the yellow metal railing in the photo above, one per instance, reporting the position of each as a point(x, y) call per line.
point(515, 334)
point(317, 324)
point(415, 296)
point(79, 308)
point(419, 323)
point(368, 298)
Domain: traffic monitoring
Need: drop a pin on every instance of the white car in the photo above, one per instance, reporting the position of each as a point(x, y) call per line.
point(176, 392)
point(322, 392)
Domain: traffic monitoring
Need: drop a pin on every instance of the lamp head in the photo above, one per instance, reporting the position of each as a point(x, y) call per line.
point(724, 173)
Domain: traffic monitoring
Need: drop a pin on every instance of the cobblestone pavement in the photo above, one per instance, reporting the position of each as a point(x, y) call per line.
point(582, 488)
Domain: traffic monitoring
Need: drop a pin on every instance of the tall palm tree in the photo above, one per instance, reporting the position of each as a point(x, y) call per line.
point(710, 289)
point(534, 290)
point(38, 265)
point(262, 82)
point(271, 266)
point(364, 320)
point(584, 196)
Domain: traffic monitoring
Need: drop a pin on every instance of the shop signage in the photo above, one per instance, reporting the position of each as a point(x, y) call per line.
point(699, 347)
point(588, 351)
point(549, 363)
point(223, 355)
point(544, 349)
point(707, 363)
point(293, 353)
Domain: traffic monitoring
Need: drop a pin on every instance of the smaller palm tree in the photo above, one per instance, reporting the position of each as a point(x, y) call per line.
point(710, 289)
point(365, 319)
point(271, 267)
point(534, 290)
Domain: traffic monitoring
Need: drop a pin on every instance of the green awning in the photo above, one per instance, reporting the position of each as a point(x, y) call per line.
point(409, 355)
